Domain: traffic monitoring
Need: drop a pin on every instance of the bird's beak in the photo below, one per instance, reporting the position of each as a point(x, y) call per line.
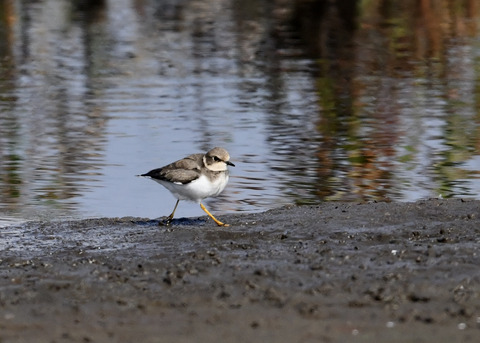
point(229, 163)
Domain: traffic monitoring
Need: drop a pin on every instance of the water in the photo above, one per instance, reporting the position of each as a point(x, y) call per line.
point(313, 100)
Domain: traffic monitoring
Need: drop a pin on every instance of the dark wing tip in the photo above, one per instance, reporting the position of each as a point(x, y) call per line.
point(155, 173)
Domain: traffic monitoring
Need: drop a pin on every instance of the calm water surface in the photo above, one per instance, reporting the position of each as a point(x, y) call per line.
point(315, 101)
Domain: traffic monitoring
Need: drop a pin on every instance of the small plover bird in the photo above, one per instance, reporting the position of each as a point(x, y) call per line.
point(195, 178)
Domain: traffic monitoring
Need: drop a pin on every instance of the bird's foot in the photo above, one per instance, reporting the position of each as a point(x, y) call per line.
point(165, 222)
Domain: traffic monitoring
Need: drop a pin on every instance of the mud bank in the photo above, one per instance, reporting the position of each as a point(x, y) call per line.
point(337, 272)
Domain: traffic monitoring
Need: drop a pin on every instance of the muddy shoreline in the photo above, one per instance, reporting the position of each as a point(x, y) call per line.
point(334, 272)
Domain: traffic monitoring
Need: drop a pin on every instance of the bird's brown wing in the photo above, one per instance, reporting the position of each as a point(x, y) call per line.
point(182, 171)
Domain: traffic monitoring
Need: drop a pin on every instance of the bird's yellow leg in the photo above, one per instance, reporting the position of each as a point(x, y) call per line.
point(170, 217)
point(219, 223)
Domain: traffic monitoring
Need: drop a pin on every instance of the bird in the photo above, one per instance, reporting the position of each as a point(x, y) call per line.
point(194, 178)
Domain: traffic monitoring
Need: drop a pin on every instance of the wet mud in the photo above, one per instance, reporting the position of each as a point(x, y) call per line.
point(335, 272)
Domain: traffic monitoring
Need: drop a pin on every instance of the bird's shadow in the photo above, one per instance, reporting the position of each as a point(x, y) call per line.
point(162, 221)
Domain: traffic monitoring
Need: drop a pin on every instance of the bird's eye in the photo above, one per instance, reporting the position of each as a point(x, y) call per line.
point(216, 159)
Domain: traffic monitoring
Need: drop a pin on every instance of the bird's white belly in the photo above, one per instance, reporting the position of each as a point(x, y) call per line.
point(198, 189)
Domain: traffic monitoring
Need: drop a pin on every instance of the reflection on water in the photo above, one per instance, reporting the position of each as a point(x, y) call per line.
point(315, 101)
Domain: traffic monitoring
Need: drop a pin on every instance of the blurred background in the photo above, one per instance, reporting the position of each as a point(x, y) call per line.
point(316, 100)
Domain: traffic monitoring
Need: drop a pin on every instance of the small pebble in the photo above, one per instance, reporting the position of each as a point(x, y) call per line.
point(9, 316)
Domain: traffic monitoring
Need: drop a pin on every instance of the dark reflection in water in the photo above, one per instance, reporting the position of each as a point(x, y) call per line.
point(315, 100)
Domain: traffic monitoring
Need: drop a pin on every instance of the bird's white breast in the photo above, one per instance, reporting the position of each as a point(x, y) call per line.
point(199, 189)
